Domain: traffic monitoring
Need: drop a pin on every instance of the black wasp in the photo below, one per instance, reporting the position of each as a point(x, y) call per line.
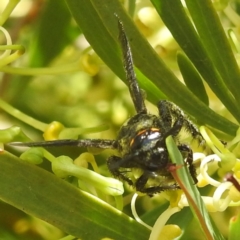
point(143, 159)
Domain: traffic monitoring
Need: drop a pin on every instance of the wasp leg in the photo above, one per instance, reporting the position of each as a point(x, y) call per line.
point(114, 164)
point(189, 160)
point(165, 115)
point(170, 112)
point(150, 191)
point(175, 129)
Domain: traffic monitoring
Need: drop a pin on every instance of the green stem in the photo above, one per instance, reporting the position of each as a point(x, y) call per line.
point(191, 202)
point(23, 117)
point(73, 67)
point(11, 58)
point(12, 47)
point(8, 10)
point(48, 156)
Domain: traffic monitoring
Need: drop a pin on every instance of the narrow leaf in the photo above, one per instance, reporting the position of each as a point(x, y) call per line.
point(215, 41)
point(194, 198)
point(52, 33)
point(192, 78)
point(177, 21)
point(43, 195)
point(234, 230)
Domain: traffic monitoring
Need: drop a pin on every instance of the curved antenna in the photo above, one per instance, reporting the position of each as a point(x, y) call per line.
point(134, 89)
point(93, 143)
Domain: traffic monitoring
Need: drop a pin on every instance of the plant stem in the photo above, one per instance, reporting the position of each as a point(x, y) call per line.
point(8, 10)
point(23, 117)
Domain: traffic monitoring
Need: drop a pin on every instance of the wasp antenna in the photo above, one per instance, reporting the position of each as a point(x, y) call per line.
point(94, 143)
point(134, 89)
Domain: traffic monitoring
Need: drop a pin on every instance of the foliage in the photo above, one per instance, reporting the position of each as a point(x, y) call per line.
point(61, 65)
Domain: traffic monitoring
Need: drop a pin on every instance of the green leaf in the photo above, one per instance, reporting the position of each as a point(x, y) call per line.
point(192, 78)
point(215, 42)
point(234, 230)
point(99, 25)
point(43, 195)
point(194, 198)
point(52, 33)
point(177, 21)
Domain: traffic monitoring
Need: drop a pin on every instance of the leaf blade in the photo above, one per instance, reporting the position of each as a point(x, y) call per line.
point(177, 21)
point(195, 201)
point(43, 195)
